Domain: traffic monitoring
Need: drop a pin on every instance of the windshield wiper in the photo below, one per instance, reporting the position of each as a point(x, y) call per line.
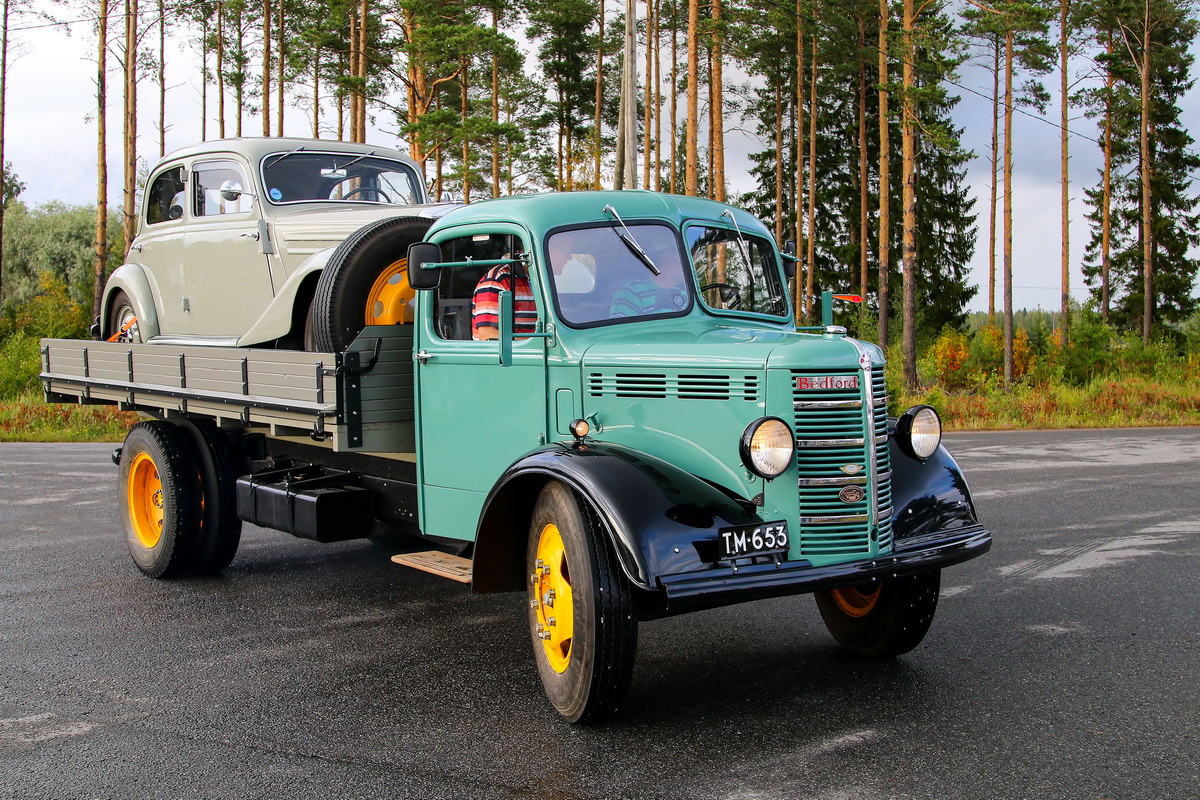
point(354, 161)
point(742, 247)
point(631, 243)
point(281, 157)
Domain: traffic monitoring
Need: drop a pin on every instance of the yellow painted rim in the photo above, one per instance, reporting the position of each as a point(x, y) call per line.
point(145, 500)
point(553, 600)
point(854, 603)
point(388, 301)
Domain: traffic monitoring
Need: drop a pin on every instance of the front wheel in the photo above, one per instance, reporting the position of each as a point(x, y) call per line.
point(580, 609)
point(882, 619)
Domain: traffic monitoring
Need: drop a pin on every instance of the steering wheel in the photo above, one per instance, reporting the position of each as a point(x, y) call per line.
point(731, 296)
point(358, 189)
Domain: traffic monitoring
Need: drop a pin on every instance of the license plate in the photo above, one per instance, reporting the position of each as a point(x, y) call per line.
point(753, 540)
point(826, 382)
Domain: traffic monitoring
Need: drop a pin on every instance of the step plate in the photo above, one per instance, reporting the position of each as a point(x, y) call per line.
point(456, 568)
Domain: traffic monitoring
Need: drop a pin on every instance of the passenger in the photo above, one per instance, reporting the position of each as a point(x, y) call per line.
point(485, 302)
point(574, 273)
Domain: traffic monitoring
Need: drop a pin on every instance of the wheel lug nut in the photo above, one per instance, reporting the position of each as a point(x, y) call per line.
point(533, 603)
point(552, 622)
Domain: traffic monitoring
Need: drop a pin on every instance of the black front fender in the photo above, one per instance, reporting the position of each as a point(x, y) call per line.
point(660, 517)
point(928, 496)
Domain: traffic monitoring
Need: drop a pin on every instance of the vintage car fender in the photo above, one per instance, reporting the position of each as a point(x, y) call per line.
point(281, 315)
point(653, 511)
point(132, 279)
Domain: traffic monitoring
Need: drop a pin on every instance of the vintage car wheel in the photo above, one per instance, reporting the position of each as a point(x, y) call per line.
point(122, 320)
point(364, 283)
point(216, 464)
point(581, 617)
point(881, 619)
point(159, 491)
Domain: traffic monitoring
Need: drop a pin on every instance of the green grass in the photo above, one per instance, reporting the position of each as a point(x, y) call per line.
point(28, 418)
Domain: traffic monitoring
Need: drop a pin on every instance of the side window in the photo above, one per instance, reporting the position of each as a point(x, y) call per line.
point(166, 197)
point(467, 304)
point(735, 271)
point(210, 178)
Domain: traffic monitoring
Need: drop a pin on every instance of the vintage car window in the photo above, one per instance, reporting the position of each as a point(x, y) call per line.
point(736, 272)
point(597, 277)
point(210, 178)
point(467, 298)
point(165, 200)
point(299, 177)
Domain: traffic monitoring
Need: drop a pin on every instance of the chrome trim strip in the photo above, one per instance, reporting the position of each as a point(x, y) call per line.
point(880, 439)
point(804, 404)
point(834, 520)
point(864, 363)
point(827, 442)
point(846, 481)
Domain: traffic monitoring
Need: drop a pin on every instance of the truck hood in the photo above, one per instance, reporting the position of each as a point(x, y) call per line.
point(724, 347)
point(303, 231)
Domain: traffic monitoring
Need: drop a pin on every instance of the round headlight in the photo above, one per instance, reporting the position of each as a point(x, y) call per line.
point(919, 431)
point(768, 447)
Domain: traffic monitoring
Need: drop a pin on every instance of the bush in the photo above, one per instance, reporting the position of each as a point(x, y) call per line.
point(20, 364)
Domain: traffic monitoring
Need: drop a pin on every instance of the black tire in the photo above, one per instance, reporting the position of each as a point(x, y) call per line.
point(886, 624)
point(597, 658)
point(338, 309)
point(160, 499)
point(217, 464)
point(117, 310)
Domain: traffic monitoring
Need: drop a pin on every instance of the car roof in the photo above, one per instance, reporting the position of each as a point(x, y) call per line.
point(254, 148)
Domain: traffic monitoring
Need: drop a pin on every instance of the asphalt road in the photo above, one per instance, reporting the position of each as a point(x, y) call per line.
point(1064, 664)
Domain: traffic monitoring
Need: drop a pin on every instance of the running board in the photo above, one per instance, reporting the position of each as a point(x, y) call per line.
point(435, 562)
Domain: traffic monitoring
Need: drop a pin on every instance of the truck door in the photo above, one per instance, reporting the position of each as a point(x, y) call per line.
point(474, 416)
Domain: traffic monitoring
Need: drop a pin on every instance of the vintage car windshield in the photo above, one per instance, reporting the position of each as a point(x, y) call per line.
point(598, 276)
point(300, 177)
point(736, 271)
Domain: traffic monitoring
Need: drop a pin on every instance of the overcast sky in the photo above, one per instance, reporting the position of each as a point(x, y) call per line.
point(51, 142)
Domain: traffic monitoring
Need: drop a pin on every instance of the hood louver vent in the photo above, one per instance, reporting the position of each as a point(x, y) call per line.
point(685, 387)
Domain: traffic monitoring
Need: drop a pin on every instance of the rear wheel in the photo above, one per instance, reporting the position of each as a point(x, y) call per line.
point(216, 465)
point(364, 283)
point(160, 499)
point(581, 616)
point(884, 618)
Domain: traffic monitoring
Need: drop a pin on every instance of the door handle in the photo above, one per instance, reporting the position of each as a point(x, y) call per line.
point(136, 247)
point(253, 235)
point(422, 357)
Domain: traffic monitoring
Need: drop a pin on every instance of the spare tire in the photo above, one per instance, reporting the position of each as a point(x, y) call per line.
point(364, 283)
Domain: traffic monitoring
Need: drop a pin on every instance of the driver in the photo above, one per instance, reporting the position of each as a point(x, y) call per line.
point(654, 294)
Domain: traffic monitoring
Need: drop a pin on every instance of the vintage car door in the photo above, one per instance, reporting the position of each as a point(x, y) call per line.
point(475, 417)
point(229, 282)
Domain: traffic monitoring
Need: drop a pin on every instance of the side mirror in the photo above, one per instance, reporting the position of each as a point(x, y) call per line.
point(789, 259)
point(231, 190)
point(420, 254)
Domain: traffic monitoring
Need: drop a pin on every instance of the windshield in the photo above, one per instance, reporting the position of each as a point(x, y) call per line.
point(736, 272)
point(597, 277)
point(298, 177)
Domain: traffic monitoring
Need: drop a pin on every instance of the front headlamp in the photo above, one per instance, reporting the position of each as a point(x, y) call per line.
point(768, 447)
point(919, 432)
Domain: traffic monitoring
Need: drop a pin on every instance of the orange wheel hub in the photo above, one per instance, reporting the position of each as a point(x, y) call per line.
point(145, 500)
point(854, 602)
point(390, 295)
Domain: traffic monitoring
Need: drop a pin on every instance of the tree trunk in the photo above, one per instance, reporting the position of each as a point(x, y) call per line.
point(798, 292)
point(1106, 191)
point(282, 60)
point(100, 266)
point(1145, 173)
point(718, 113)
point(863, 178)
point(203, 78)
point(3, 104)
point(778, 161)
point(1063, 7)
point(1008, 115)
point(495, 108)
point(465, 110)
point(995, 173)
point(597, 142)
point(239, 91)
point(130, 188)
point(266, 73)
point(657, 96)
point(162, 80)
point(908, 202)
point(691, 155)
point(220, 68)
point(673, 175)
point(353, 72)
point(364, 27)
point(316, 103)
point(885, 189)
point(811, 250)
point(646, 140)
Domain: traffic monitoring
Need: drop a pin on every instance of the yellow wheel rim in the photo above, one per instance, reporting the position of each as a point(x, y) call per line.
point(388, 301)
point(553, 600)
point(855, 603)
point(145, 500)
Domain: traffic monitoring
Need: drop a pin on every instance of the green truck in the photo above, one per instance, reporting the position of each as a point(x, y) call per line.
point(600, 399)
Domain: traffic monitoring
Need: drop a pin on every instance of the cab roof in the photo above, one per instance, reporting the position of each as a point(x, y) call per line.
point(254, 148)
point(542, 212)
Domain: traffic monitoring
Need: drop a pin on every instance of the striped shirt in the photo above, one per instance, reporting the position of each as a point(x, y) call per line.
point(646, 297)
point(485, 303)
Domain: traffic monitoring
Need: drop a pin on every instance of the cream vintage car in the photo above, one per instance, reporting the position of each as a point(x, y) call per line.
point(293, 243)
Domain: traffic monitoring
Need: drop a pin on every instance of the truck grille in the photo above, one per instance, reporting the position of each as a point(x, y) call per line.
point(702, 386)
point(831, 426)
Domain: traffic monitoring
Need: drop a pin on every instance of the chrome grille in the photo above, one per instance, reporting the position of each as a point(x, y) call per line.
point(685, 386)
point(832, 432)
